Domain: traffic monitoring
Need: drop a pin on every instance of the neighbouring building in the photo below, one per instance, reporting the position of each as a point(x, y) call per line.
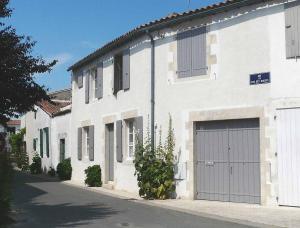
point(228, 74)
point(48, 129)
point(12, 127)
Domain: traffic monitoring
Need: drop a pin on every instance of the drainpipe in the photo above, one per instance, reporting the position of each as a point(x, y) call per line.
point(152, 89)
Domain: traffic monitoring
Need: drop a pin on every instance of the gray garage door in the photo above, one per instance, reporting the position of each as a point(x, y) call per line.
point(228, 164)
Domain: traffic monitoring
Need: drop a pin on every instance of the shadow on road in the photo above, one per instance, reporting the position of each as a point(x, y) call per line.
point(34, 206)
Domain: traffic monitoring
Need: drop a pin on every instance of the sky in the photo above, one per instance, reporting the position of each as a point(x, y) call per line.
point(68, 30)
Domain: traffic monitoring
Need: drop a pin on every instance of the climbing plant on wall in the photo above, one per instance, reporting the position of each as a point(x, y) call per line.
point(154, 168)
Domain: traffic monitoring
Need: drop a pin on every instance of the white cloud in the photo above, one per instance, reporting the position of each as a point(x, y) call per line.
point(62, 58)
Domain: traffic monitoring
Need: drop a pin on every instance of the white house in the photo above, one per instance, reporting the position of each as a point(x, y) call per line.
point(48, 129)
point(228, 74)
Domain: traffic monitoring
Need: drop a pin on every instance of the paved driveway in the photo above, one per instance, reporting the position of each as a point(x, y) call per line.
point(44, 203)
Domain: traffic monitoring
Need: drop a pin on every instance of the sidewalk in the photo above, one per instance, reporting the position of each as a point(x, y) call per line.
point(248, 214)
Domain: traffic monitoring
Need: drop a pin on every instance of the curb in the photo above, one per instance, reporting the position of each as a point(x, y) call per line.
point(100, 190)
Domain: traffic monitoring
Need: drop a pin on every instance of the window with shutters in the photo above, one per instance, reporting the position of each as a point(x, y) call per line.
point(122, 71)
point(99, 81)
point(41, 143)
point(87, 141)
point(87, 86)
point(191, 53)
point(95, 82)
point(292, 29)
point(92, 82)
point(46, 141)
point(118, 72)
point(130, 138)
point(35, 144)
point(79, 79)
point(62, 149)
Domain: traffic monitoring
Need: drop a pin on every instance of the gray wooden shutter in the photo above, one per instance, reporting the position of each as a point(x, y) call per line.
point(79, 144)
point(41, 143)
point(138, 127)
point(34, 144)
point(87, 87)
point(80, 79)
point(47, 141)
point(116, 76)
point(198, 40)
point(184, 53)
point(91, 143)
point(119, 141)
point(292, 29)
point(99, 85)
point(126, 69)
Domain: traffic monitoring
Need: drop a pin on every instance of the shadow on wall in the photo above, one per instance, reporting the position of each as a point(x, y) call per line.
point(36, 207)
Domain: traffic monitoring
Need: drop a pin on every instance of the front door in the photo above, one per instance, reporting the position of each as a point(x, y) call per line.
point(109, 151)
point(62, 149)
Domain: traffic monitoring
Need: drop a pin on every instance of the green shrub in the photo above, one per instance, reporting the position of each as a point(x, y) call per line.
point(154, 168)
point(93, 176)
point(51, 172)
point(64, 169)
point(36, 165)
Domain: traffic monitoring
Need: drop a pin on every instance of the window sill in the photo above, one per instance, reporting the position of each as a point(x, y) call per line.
point(128, 161)
point(192, 78)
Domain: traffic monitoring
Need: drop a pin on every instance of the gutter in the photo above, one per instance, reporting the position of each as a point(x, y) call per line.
point(152, 89)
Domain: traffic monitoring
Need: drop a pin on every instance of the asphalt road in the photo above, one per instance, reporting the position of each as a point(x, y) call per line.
point(48, 203)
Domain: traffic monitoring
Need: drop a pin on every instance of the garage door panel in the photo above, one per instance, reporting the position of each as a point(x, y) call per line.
point(212, 166)
point(244, 186)
point(228, 160)
point(243, 154)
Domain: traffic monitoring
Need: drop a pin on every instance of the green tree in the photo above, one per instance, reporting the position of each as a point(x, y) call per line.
point(18, 90)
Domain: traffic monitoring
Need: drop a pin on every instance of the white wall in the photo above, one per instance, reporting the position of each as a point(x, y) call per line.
point(58, 127)
point(136, 100)
point(239, 43)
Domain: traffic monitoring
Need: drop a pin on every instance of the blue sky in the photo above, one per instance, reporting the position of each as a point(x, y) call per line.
point(68, 30)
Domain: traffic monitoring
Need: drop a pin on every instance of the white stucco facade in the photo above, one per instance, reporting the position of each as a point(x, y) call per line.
point(59, 128)
point(239, 42)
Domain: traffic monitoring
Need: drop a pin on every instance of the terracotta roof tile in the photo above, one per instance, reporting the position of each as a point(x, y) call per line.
point(14, 122)
point(52, 108)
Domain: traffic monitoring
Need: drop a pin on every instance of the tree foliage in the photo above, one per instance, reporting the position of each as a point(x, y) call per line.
point(155, 168)
point(18, 90)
